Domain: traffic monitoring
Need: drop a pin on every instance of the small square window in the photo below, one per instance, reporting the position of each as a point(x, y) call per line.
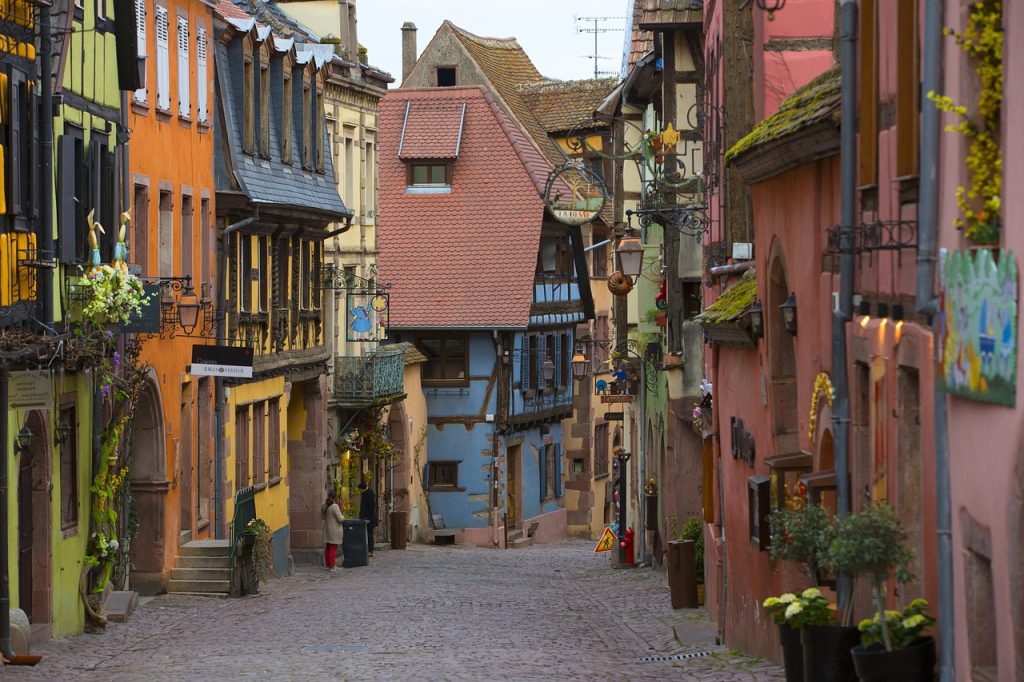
point(445, 76)
point(443, 475)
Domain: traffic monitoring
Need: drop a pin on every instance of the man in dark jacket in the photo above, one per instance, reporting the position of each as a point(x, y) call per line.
point(368, 511)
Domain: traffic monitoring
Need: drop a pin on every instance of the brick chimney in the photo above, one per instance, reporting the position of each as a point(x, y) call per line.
point(408, 48)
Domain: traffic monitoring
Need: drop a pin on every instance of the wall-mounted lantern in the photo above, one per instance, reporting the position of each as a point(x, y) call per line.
point(61, 433)
point(579, 364)
point(789, 314)
point(548, 370)
point(757, 320)
point(23, 440)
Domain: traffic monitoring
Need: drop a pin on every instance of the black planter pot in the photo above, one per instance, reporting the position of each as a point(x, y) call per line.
point(827, 653)
point(915, 663)
point(792, 653)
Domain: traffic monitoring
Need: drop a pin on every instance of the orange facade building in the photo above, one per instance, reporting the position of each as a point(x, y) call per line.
point(171, 239)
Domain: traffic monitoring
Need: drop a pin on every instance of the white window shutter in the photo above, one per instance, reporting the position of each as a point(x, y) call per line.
point(163, 76)
point(184, 77)
point(201, 84)
point(140, 33)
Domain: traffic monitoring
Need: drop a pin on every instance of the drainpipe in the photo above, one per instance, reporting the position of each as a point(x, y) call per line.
point(45, 249)
point(931, 81)
point(220, 316)
point(5, 578)
point(847, 184)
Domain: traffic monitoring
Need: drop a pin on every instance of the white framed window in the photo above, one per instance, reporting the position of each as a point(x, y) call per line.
point(202, 115)
point(142, 94)
point(184, 77)
point(163, 75)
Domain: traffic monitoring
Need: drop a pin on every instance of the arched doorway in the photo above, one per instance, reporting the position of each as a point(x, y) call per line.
point(782, 357)
point(148, 466)
point(34, 550)
point(400, 475)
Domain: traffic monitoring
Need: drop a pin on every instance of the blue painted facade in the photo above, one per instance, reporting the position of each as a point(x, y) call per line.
point(496, 400)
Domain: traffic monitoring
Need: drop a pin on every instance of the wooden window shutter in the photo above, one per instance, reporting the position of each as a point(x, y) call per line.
point(542, 355)
point(142, 94)
point(163, 76)
point(524, 364)
point(184, 98)
point(67, 214)
point(14, 150)
point(543, 467)
point(556, 379)
point(202, 114)
point(558, 469)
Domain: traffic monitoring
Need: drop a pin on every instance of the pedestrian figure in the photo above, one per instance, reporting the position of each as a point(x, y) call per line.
point(368, 511)
point(332, 531)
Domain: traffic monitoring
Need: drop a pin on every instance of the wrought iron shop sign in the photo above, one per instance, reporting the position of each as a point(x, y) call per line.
point(574, 194)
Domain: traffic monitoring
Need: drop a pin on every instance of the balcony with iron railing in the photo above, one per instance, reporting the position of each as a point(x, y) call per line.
point(373, 379)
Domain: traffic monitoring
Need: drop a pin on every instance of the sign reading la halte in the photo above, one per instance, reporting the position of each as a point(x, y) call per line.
point(30, 390)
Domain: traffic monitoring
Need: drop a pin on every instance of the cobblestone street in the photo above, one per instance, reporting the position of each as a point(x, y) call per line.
point(544, 612)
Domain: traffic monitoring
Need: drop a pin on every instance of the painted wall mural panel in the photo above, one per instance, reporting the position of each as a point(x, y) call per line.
point(978, 333)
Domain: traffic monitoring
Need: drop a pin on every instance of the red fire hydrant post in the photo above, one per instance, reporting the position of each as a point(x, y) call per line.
point(627, 547)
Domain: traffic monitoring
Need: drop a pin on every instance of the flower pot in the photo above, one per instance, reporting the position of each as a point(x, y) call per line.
point(246, 540)
point(915, 663)
point(827, 653)
point(661, 319)
point(792, 653)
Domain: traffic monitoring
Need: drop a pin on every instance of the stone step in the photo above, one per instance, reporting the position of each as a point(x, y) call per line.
point(208, 548)
point(519, 543)
point(186, 561)
point(199, 586)
point(200, 574)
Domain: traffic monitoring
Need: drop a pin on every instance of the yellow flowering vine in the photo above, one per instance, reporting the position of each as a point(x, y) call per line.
point(980, 201)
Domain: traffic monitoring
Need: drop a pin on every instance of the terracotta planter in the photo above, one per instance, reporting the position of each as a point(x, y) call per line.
point(661, 319)
point(915, 663)
point(792, 653)
point(827, 653)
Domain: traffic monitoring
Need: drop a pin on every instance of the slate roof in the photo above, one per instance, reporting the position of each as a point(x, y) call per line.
point(815, 102)
point(466, 258)
point(431, 129)
point(561, 106)
point(266, 181)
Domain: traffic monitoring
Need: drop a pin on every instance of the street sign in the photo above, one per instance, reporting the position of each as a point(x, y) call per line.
point(613, 416)
point(606, 542)
point(615, 399)
point(221, 361)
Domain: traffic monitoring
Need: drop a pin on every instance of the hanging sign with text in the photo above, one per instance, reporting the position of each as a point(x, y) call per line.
point(30, 390)
point(222, 361)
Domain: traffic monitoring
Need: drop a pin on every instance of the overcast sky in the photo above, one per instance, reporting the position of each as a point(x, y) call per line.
point(546, 29)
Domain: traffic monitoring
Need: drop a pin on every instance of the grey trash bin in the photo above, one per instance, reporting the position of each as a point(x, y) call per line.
point(353, 543)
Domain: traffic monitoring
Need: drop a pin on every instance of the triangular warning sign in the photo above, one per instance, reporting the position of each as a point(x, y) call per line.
point(606, 542)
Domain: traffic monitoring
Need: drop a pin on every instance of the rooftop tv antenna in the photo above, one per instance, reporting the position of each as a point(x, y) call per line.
point(596, 29)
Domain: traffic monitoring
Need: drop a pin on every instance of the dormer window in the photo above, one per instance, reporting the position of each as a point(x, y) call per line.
point(248, 101)
point(286, 110)
point(264, 99)
point(307, 120)
point(433, 176)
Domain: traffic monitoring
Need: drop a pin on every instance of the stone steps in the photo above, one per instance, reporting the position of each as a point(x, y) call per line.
point(202, 567)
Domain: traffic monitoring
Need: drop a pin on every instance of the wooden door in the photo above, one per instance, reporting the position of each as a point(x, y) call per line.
point(25, 536)
point(186, 464)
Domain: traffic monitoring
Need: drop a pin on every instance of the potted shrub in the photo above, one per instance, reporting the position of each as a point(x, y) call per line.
point(870, 544)
point(799, 533)
point(912, 656)
point(693, 529)
point(792, 613)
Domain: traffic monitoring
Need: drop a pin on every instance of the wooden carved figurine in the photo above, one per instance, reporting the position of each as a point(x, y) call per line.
point(95, 230)
point(121, 248)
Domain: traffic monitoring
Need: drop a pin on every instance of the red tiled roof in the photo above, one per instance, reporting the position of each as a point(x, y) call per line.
point(431, 129)
point(507, 66)
point(230, 10)
point(467, 258)
point(650, 13)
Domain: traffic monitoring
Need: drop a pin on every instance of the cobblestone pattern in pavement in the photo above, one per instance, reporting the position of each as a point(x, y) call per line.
point(548, 612)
